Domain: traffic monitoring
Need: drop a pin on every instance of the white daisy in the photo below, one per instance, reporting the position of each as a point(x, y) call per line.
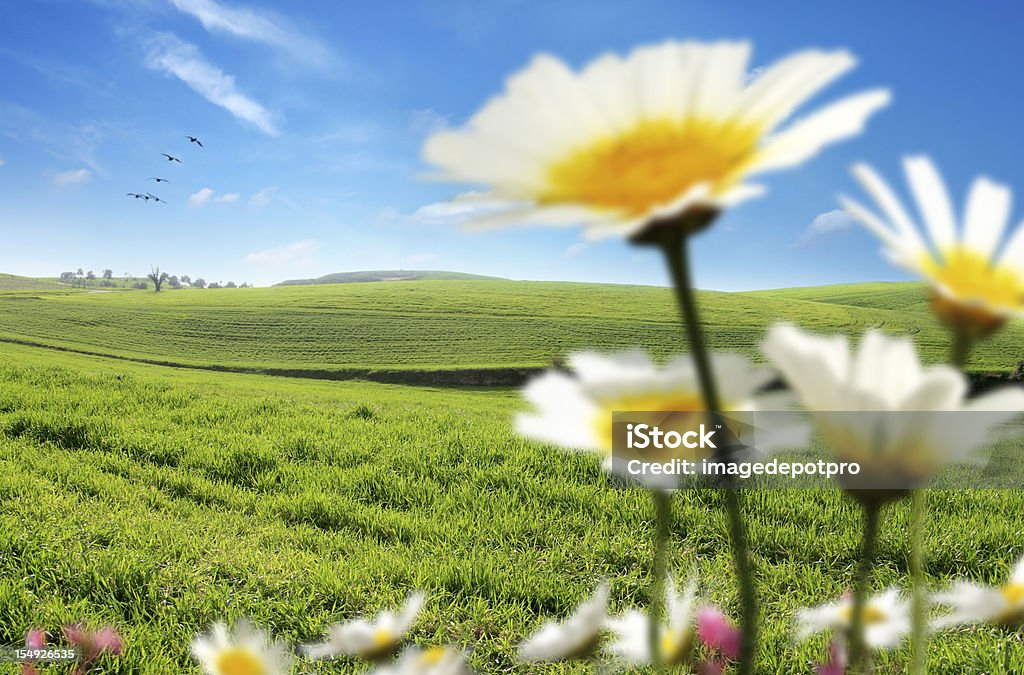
point(977, 288)
point(575, 410)
point(246, 650)
point(575, 637)
point(631, 643)
point(973, 603)
point(368, 639)
point(886, 619)
point(430, 661)
point(854, 398)
point(628, 141)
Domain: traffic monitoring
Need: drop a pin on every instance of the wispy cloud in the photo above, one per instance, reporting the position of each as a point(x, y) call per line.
point(73, 177)
point(825, 223)
point(463, 208)
point(201, 198)
point(258, 26)
point(427, 121)
point(575, 249)
point(262, 197)
point(229, 198)
point(183, 60)
point(2, 162)
point(298, 254)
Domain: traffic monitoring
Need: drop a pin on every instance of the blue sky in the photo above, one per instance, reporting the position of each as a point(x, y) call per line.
point(313, 115)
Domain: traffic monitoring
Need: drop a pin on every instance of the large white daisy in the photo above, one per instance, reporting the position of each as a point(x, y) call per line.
point(367, 639)
point(973, 603)
point(628, 141)
point(429, 661)
point(575, 637)
point(886, 619)
point(876, 405)
point(631, 642)
point(245, 650)
point(979, 282)
point(574, 410)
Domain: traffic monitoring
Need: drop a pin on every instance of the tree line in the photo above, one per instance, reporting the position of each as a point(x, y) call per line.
point(82, 279)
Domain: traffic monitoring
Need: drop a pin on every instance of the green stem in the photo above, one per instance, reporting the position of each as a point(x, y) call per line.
point(919, 638)
point(674, 246)
point(858, 650)
point(960, 349)
point(663, 533)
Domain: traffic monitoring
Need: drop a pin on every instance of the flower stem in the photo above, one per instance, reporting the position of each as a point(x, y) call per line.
point(960, 349)
point(674, 244)
point(662, 535)
point(858, 650)
point(919, 640)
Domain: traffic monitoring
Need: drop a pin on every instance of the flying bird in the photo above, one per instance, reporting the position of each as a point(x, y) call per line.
point(137, 195)
point(171, 158)
point(193, 139)
point(158, 180)
point(154, 197)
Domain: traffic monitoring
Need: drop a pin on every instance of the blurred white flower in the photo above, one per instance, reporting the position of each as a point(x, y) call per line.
point(246, 650)
point(368, 639)
point(575, 410)
point(631, 642)
point(575, 637)
point(973, 603)
point(430, 661)
point(977, 289)
point(631, 140)
point(886, 619)
point(875, 405)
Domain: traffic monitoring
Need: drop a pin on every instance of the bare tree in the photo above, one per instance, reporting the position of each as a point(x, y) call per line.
point(157, 277)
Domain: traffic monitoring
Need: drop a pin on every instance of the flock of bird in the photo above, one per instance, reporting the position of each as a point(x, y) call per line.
point(170, 158)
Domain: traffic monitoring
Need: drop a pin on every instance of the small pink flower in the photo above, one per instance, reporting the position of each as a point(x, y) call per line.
point(93, 644)
point(710, 668)
point(836, 664)
point(36, 638)
point(716, 631)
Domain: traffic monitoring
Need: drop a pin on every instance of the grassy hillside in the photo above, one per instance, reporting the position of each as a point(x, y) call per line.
point(160, 500)
point(453, 324)
point(12, 282)
point(385, 275)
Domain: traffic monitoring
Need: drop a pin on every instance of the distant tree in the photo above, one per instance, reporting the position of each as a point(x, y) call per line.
point(80, 274)
point(231, 284)
point(108, 274)
point(186, 279)
point(215, 284)
point(91, 276)
point(107, 283)
point(141, 285)
point(199, 283)
point(157, 277)
point(173, 281)
point(245, 284)
point(67, 277)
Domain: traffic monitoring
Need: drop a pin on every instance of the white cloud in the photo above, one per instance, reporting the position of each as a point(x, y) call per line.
point(463, 208)
point(575, 249)
point(229, 198)
point(297, 254)
point(183, 60)
point(2, 162)
point(825, 223)
point(263, 197)
point(201, 198)
point(428, 121)
point(258, 26)
point(74, 177)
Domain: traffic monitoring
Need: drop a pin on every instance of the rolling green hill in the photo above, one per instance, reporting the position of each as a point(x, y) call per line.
point(452, 325)
point(385, 275)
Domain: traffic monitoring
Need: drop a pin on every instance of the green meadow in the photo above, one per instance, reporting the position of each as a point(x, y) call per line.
point(161, 498)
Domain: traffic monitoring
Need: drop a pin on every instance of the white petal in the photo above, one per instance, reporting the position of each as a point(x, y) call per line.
point(933, 200)
point(1013, 255)
point(788, 83)
point(890, 205)
point(987, 212)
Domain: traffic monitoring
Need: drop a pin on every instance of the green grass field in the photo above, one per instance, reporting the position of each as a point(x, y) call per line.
point(161, 499)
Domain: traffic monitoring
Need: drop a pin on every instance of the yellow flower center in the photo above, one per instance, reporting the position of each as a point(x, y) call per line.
point(1014, 593)
point(682, 401)
point(973, 278)
point(872, 614)
point(653, 164)
point(238, 661)
point(674, 646)
point(432, 656)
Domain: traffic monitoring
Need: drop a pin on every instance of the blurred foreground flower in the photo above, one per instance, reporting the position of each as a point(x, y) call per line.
point(629, 141)
point(836, 664)
point(853, 397)
point(575, 410)
point(976, 290)
point(246, 650)
point(632, 631)
point(375, 639)
point(886, 619)
point(576, 637)
point(717, 633)
point(430, 661)
point(973, 603)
